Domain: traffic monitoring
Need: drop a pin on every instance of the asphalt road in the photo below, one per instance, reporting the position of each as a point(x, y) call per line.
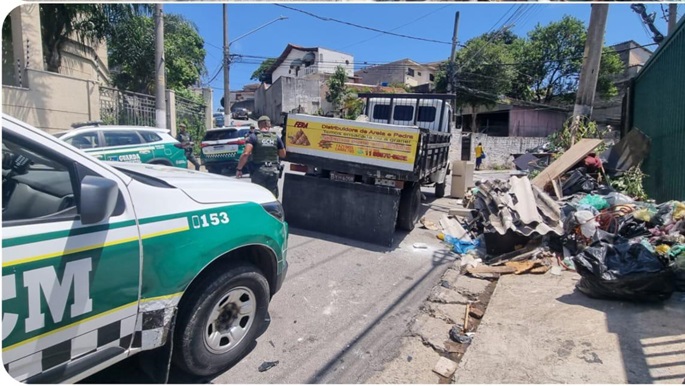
point(341, 312)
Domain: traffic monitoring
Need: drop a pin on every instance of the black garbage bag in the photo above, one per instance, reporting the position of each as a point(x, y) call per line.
point(625, 272)
point(578, 181)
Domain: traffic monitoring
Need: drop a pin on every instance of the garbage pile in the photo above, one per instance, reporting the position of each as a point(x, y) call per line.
point(622, 248)
point(625, 249)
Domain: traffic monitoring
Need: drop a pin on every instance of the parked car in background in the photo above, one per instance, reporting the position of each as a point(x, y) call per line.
point(240, 113)
point(127, 144)
point(219, 120)
point(222, 148)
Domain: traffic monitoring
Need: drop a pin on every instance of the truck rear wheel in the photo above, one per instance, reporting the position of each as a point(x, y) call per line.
point(219, 320)
point(440, 190)
point(410, 203)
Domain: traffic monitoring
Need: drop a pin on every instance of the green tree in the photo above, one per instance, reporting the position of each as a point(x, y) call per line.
point(482, 76)
point(132, 61)
point(609, 67)
point(89, 23)
point(258, 74)
point(336, 88)
point(552, 57)
point(550, 60)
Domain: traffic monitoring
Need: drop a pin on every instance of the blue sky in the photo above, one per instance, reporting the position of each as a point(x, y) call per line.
point(432, 21)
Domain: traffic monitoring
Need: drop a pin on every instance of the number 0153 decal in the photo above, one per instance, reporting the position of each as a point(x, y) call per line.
point(208, 220)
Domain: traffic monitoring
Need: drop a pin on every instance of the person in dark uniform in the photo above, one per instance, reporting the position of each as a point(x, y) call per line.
point(266, 148)
point(187, 143)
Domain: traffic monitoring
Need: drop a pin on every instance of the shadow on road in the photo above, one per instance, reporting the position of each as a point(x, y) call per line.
point(645, 334)
point(367, 337)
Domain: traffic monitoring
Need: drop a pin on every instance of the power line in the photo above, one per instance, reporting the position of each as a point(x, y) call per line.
point(361, 26)
point(396, 28)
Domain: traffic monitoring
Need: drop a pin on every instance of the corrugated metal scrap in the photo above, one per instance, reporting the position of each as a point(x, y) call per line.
point(519, 206)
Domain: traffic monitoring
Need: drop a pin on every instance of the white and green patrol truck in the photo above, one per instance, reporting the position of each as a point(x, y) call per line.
point(103, 261)
point(135, 144)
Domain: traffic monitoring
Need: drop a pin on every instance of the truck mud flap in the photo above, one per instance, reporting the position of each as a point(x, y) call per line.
point(356, 211)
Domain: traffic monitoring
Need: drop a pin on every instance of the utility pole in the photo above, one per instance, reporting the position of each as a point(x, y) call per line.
point(648, 20)
point(451, 80)
point(672, 17)
point(160, 82)
point(227, 70)
point(591, 59)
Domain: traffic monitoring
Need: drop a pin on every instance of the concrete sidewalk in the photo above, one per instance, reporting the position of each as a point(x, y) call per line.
point(539, 329)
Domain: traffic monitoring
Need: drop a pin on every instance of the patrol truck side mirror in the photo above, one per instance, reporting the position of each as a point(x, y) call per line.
point(98, 199)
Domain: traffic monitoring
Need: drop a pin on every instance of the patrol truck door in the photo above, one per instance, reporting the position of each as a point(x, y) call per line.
point(70, 269)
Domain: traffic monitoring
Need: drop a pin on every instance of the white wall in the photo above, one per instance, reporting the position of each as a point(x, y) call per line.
point(331, 59)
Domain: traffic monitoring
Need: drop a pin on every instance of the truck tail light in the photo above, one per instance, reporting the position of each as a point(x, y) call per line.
point(203, 145)
point(298, 168)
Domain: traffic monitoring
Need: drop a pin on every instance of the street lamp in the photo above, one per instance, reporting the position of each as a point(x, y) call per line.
point(227, 59)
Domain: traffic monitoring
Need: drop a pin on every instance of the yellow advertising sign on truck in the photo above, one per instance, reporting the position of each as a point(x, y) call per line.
point(390, 146)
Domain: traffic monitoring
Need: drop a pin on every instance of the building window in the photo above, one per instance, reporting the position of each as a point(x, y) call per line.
point(431, 77)
point(410, 71)
point(418, 73)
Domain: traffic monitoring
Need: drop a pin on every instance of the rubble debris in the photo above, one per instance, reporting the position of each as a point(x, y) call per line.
point(460, 246)
point(476, 312)
point(517, 206)
point(459, 212)
point(483, 269)
point(445, 367)
point(528, 266)
point(267, 365)
point(455, 347)
point(565, 162)
point(459, 337)
point(629, 152)
point(454, 229)
point(428, 224)
point(420, 246)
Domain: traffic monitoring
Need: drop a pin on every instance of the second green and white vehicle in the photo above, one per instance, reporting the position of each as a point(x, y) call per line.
point(134, 144)
point(102, 261)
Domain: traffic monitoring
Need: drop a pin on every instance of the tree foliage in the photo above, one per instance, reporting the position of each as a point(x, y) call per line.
point(132, 60)
point(542, 67)
point(609, 67)
point(88, 23)
point(336, 88)
point(258, 74)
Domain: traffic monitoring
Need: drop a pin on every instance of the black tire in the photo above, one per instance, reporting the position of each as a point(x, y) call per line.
point(193, 350)
point(440, 190)
point(410, 203)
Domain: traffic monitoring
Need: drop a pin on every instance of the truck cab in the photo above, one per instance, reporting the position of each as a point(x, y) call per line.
point(431, 114)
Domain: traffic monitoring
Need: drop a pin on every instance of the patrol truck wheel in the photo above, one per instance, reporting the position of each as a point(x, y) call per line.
point(220, 319)
point(410, 204)
point(440, 190)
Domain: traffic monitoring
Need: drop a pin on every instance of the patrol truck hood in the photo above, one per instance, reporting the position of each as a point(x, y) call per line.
point(202, 187)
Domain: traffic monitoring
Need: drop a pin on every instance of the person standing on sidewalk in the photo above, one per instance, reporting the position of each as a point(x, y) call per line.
point(187, 143)
point(480, 154)
point(266, 148)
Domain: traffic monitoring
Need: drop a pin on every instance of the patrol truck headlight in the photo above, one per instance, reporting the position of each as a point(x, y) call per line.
point(275, 209)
